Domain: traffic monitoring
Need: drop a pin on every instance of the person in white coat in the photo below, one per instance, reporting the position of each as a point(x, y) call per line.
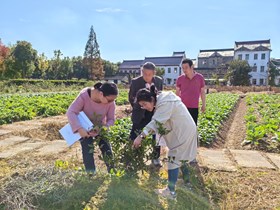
point(181, 141)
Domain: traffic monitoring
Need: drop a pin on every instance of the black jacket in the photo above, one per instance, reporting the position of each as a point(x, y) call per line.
point(138, 114)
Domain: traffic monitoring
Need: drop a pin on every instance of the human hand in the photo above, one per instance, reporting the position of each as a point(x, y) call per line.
point(203, 108)
point(83, 133)
point(137, 142)
point(95, 131)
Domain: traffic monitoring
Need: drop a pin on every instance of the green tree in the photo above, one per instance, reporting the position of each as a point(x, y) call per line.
point(79, 70)
point(55, 63)
point(92, 59)
point(238, 73)
point(110, 68)
point(41, 66)
point(160, 72)
point(273, 71)
point(24, 57)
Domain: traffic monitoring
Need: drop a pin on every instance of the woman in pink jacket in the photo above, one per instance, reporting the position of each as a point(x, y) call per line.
point(95, 102)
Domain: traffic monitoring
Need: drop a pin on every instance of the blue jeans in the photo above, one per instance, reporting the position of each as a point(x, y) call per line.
point(88, 157)
point(172, 178)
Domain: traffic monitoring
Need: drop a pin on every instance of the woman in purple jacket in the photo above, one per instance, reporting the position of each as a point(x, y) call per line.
point(97, 102)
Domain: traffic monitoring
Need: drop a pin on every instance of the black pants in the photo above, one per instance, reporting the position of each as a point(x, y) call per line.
point(88, 156)
point(136, 130)
point(194, 114)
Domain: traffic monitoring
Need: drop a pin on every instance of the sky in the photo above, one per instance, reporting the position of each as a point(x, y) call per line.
point(133, 30)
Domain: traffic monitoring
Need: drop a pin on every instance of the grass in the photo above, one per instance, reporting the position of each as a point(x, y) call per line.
point(52, 188)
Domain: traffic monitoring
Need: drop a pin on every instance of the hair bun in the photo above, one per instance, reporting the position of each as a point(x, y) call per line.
point(153, 90)
point(97, 85)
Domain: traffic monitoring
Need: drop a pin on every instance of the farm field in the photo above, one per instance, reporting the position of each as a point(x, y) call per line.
point(47, 176)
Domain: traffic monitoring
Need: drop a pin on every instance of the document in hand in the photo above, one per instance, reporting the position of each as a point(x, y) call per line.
point(68, 134)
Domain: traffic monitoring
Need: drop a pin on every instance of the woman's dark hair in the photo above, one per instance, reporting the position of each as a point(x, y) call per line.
point(107, 88)
point(148, 95)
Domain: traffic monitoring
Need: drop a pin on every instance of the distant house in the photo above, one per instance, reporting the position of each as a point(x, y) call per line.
point(118, 79)
point(276, 64)
point(213, 62)
point(130, 67)
point(257, 54)
point(170, 64)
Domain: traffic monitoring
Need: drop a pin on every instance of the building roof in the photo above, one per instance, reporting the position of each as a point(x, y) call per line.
point(164, 61)
point(259, 45)
point(179, 53)
point(228, 52)
point(131, 64)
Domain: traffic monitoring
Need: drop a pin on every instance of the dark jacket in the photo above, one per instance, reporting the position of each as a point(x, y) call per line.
point(138, 114)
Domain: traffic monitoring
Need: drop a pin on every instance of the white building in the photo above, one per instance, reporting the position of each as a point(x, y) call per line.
point(257, 54)
point(170, 64)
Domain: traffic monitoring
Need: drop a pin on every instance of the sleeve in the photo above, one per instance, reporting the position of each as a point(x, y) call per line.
point(162, 114)
point(202, 82)
point(178, 84)
point(110, 117)
point(72, 113)
point(132, 92)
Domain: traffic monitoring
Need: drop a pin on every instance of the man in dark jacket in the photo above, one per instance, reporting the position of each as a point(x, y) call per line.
point(140, 117)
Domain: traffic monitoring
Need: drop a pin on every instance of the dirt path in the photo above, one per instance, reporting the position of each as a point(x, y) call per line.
point(237, 131)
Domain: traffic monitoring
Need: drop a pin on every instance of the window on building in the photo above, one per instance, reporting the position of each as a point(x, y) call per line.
point(261, 82)
point(213, 62)
point(174, 81)
point(240, 57)
point(169, 70)
point(263, 56)
point(168, 81)
point(204, 62)
point(247, 57)
point(254, 68)
point(254, 81)
point(262, 68)
point(255, 56)
point(175, 70)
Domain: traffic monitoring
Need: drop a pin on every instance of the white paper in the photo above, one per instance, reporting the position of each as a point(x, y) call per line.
point(68, 134)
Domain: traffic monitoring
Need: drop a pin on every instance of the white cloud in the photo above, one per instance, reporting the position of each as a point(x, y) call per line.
point(110, 10)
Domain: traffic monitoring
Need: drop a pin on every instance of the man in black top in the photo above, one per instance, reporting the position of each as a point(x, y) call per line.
point(140, 117)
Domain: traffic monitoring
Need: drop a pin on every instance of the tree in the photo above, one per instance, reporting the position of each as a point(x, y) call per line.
point(238, 73)
point(79, 70)
point(4, 53)
point(92, 59)
point(273, 71)
point(41, 66)
point(110, 68)
point(160, 72)
point(24, 57)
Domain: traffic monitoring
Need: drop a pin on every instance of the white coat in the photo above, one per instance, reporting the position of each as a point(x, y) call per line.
point(182, 139)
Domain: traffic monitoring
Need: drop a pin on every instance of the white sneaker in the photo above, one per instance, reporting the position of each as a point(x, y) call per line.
point(157, 162)
point(166, 193)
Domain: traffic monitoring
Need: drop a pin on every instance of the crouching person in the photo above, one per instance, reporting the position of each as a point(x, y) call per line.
point(182, 138)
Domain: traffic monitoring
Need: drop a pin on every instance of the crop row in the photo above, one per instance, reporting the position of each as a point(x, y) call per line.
point(218, 108)
point(263, 119)
point(16, 107)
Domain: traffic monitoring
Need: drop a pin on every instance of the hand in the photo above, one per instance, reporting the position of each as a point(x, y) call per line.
point(94, 132)
point(83, 133)
point(137, 142)
point(203, 108)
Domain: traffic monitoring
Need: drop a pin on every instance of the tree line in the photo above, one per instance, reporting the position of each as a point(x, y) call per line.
point(21, 60)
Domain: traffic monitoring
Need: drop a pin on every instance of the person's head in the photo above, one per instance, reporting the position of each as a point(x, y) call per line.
point(147, 98)
point(107, 92)
point(187, 66)
point(148, 71)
